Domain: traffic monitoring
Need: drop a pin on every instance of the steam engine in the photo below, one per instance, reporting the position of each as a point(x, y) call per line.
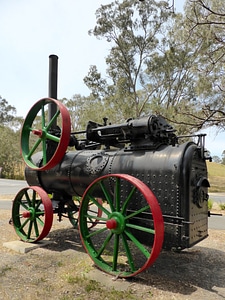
point(130, 189)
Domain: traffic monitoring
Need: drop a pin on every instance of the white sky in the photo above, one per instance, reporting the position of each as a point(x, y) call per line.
point(32, 30)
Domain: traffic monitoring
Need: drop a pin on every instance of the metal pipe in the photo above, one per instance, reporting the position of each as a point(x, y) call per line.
point(52, 92)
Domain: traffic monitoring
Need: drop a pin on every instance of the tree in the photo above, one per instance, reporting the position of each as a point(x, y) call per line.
point(7, 112)
point(159, 62)
point(223, 158)
point(83, 109)
point(216, 159)
point(134, 30)
point(10, 158)
point(206, 25)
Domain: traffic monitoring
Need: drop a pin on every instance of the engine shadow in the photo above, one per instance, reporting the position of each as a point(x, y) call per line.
point(65, 239)
point(184, 272)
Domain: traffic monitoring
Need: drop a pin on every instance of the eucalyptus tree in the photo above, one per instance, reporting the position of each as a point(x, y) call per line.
point(83, 109)
point(159, 62)
point(205, 23)
point(134, 30)
point(10, 158)
point(7, 111)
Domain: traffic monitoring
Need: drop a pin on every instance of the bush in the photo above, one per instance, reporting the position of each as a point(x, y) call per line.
point(222, 206)
point(210, 204)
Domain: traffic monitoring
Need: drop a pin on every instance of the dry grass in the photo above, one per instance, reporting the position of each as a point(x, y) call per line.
point(216, 173)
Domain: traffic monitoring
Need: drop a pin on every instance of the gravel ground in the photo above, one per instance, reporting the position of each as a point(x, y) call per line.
point(63, 271)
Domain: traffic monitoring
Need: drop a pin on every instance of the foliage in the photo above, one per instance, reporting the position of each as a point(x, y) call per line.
point(11, 165)
point(134, 31)
point(210, 204)
point(222, 206)
point(82, 109)
point(161, 62)
point(205, 21)
point(7, 111)
point(10, 159)
point(216, 159)
point(223, 158)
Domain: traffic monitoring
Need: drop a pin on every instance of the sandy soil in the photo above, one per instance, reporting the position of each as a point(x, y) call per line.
point(63, 271)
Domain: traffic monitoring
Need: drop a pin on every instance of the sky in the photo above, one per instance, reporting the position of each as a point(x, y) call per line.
point(31, 30)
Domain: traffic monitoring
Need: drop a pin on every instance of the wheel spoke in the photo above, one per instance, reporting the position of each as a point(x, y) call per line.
point(137, 212)
point(36, 228)
point(24, 204)
point(126, 202)
point(27, 198)
point(99, 205)
point(141, 228)
point(128, 253)
point(137, 243)
point(96, 232)
point(52, 120)
point(104, 245)
point(90, 217)
point(40, 221)
point(38, 203)
point(34, 198)
point(52, 137)
point(107, 196)
point(43, 116)
point(115, 252)
point(44, 152)
point(32, 150)
point(29, 229)
point(24, 224)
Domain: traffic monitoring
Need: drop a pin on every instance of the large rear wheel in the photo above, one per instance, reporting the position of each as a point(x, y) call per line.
point(129, 235)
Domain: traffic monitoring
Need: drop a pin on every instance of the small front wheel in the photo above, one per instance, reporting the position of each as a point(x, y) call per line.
point(32, 214)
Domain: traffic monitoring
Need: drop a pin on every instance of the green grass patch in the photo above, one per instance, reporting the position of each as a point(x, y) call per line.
point(222, 206)
point(216, 175)
point(4, 270)
point(210, 204)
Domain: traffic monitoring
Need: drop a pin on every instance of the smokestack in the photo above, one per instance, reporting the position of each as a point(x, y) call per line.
point(52, 90)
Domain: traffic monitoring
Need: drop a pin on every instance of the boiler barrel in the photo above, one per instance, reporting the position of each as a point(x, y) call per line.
point(177, 175)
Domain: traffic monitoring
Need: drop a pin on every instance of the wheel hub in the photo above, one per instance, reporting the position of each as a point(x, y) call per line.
point(29, 214)
point(116, 223)
point(38, 132)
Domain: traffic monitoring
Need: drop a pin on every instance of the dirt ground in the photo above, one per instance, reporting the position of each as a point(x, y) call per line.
point(63, 271)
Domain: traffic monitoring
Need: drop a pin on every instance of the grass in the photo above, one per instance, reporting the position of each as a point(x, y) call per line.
point(82, 287)
point(4, 270)
point(222, 206)
point(216, 174)
point(210, 204)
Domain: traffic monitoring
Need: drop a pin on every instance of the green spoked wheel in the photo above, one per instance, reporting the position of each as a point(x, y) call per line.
point(39, 135)
point(32, 214)
point(129, 235)
point(73, 214)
